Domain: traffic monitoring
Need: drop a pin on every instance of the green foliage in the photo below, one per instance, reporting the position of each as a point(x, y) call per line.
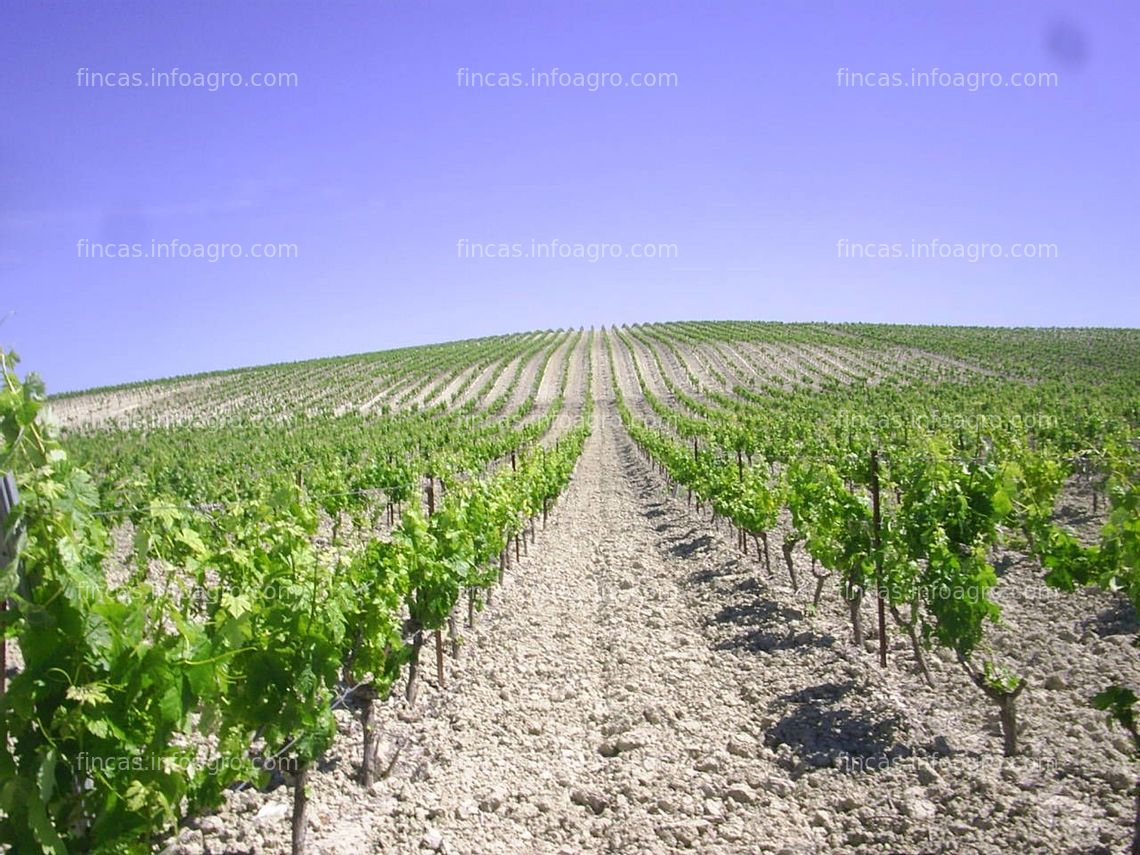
point(229, 625)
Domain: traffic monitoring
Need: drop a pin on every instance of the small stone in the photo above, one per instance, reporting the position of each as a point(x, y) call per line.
point(629, 742)
point(212, 825)
point(386, 806)
point(684, 835)
point(1055, 682)
point(926, 773)
point(1120, 780)
point(614, 747)
point(740, 746)
point(920, 809)
point(271, 812)
point(714, 808)
point(491, 803)
point(821, 819)
point(432, 839)
point(614, 727)
point(741, 793)
point(732, 830)
point(591, 799)
point(709, 764)
point(781, 786)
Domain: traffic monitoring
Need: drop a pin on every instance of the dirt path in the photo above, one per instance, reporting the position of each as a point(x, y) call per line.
point(575, 397)
point(530, 371)
point(602, 719)
point(444, 395)
point(478, 382)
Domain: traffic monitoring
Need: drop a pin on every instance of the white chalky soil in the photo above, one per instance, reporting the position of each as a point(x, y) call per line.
point(638, 686)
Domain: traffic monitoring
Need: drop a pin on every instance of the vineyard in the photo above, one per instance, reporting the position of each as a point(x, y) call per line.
point(709, 586)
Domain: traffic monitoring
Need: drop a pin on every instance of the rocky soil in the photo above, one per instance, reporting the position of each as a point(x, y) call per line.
point(640, 686)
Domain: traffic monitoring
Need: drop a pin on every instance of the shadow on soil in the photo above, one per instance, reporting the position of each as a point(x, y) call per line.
point(766, 627)
point(1117, 619)
point(689, 546)
point(822, 735)
point(762, 625)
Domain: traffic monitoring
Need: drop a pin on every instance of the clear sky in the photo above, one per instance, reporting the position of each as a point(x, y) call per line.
point(760, 166)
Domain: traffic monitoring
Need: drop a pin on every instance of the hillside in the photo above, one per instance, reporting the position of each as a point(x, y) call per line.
point(678, 650)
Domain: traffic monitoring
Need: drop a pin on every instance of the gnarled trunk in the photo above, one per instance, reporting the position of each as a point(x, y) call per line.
point(300, 812)
point(440, 676)
point(453, 634)
point(820, 581)
point(414, 666)
point(1006, 702)
point(371, 743)
point(910, 627)
point(854, 603)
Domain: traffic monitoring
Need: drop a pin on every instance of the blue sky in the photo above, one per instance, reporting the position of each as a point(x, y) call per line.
point(748, 167)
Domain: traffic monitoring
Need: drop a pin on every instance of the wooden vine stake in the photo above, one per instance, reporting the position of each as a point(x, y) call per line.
point(439, 659)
